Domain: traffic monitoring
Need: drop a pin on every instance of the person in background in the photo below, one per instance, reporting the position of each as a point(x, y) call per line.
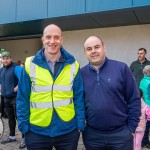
point(112, 100)
point(18, 62)
point(22, 64)
point(50, 104)
point(137, 70)
point(9, 86)
point(138, 65)
point(139, 133)
point(145, 87)
point(2, 106)
point(18, 71)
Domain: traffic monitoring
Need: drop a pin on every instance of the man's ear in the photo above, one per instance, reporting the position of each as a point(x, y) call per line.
point(104, 48)
point(42, 38)
point(62, 40)
point(84, 52)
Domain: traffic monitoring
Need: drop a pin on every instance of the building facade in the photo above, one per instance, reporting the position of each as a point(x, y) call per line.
point(124, 25)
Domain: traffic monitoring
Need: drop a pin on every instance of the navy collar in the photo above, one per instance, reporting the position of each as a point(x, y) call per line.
point(100, 65)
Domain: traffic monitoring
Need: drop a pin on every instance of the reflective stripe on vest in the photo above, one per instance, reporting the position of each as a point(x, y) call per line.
point(49, 88)
point(50, 104)
point(47, 94)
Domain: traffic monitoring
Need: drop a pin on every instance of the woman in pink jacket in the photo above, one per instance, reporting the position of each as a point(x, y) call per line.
point(139, 133)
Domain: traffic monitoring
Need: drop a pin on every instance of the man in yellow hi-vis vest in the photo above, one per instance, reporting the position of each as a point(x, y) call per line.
point(50, 104)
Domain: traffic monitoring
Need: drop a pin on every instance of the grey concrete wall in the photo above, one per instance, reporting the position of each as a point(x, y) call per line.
point(20, 49)
point(121, 43)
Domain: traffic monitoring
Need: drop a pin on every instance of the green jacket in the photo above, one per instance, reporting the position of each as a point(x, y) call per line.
point(137, 69)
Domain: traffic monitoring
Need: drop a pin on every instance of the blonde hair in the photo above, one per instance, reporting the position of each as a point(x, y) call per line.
point(146, 70)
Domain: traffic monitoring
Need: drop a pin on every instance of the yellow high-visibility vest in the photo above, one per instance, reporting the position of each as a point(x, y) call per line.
point(47, 94)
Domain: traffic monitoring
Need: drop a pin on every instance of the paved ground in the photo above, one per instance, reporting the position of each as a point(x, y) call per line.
point(15, 145)
point(10, 146)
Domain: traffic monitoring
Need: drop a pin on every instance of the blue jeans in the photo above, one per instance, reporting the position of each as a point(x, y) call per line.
point(95, 140)
point(41, 142)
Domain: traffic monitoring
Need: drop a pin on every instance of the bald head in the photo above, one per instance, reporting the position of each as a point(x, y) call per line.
point(94, 50)
point(92, 38)
point(52, 40)
point(52, 27)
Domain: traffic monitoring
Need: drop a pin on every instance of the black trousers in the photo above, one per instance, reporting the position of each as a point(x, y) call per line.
point(2, 107)
point(10, 105)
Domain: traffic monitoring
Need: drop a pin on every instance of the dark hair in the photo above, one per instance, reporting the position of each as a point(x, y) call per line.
point(140, 49)
point(18, 62)
point(22, 64)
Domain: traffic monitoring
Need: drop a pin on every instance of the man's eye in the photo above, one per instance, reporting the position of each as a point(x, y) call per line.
point(57, 37)
point(48, 37)
point(97, 47)
point(88, 49)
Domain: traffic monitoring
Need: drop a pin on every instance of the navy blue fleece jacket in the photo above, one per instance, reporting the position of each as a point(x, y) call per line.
point(112, 99)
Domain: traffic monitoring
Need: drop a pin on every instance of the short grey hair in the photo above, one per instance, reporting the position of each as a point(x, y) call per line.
point(146, 70)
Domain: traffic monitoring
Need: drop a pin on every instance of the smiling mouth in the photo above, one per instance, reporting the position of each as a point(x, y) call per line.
point(52, 46)
point(94, 56)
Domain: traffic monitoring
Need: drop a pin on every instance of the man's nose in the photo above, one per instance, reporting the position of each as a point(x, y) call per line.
point(93, 50)
point(52, 40)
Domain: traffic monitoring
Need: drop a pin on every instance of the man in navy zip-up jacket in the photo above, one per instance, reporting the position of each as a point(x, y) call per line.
point(112, 100)
point(9, 86)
